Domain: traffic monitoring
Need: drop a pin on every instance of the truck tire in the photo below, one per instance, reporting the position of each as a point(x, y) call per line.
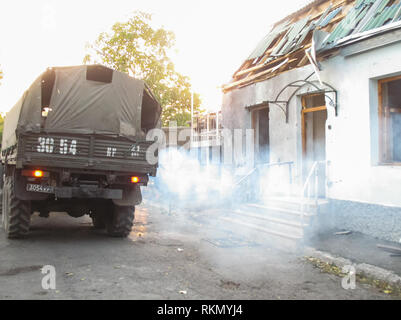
point(16, 212)
point(119, 223)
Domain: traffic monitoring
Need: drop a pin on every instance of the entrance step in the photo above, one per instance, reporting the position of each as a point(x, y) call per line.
point(280, 218)
point(262, 233)
point(293, 203)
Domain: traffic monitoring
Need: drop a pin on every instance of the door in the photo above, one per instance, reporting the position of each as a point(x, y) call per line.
point(314, 116)
point(260, 125)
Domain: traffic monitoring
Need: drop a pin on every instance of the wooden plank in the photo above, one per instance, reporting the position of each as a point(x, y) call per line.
point(248, 79)
point(258, 67)
point(243, 70)
point(272, 75)
point(314, 109)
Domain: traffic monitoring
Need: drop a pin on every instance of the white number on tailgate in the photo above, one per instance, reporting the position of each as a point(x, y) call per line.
point(65, 148)
point(111, 152)
point(135, 151)
point(46, 145)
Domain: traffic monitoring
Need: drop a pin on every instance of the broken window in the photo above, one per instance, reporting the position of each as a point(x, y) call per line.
point(390, 119)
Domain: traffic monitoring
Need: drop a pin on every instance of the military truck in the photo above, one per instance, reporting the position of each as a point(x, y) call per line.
point(76, 142)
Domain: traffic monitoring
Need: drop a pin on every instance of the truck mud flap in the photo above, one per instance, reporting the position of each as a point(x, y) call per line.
point(131, 197)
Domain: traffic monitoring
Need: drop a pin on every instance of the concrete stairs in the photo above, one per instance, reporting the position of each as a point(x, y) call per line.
point(278, 221)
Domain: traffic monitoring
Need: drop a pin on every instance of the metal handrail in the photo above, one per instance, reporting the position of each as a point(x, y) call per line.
point(274, 164)
point(313, 172)
point(246, 176)
point(279, 164)
point(268, 165)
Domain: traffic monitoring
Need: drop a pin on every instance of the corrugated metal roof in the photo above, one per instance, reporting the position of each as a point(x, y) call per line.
point(308, 5)
point(267, 40)
point(285, 40)
point(365, 15)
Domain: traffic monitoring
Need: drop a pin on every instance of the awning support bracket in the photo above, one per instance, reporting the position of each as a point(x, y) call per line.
point(284, 104)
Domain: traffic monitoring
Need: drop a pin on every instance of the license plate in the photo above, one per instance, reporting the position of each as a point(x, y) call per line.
point(39, 188)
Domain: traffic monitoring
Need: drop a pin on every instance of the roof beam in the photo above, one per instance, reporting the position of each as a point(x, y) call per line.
point(261, 66)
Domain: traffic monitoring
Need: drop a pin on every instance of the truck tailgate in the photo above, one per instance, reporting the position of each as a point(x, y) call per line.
point(88, 151)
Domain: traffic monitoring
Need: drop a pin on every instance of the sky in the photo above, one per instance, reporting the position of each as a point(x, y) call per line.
point(213, 37)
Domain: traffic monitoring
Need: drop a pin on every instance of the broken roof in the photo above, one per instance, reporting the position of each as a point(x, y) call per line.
point(322, 24)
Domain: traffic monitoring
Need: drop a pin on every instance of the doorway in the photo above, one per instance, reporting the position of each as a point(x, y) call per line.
point(314, 116)
point(260, 125)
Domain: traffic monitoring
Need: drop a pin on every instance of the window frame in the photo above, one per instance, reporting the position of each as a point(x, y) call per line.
point(305, 109)
point(383, 136)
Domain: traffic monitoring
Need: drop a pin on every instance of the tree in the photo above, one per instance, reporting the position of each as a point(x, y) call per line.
point(1, 116)
point(1, 127)
point(136, 48)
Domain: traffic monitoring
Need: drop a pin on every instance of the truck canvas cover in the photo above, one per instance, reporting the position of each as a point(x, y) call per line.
point(83, 100)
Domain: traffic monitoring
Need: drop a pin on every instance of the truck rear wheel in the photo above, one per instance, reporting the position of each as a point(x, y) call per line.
point(120, 222)
point(16, 212)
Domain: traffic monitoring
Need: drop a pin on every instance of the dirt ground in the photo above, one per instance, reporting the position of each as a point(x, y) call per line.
point(165, 257)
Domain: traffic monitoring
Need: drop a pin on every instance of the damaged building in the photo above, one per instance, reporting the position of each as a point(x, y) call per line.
point(322, 91)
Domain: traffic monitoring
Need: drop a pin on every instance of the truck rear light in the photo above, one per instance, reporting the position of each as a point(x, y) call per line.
point(135, 179)
point(35, 173)
point(38, 173)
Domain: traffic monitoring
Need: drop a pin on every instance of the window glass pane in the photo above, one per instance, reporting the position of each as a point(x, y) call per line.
point(314, 101)
point(394, 94)
point(396, 133)
point(391, 121)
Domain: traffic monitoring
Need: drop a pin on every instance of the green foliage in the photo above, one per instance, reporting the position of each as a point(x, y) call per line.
point(1, 127)
point(135, 47)
point(1, 116)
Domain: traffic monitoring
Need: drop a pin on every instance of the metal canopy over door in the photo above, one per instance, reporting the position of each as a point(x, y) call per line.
point(314, 116)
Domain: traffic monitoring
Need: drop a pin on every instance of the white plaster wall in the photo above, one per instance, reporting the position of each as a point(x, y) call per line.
point(285, 138)
point(352, 143)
